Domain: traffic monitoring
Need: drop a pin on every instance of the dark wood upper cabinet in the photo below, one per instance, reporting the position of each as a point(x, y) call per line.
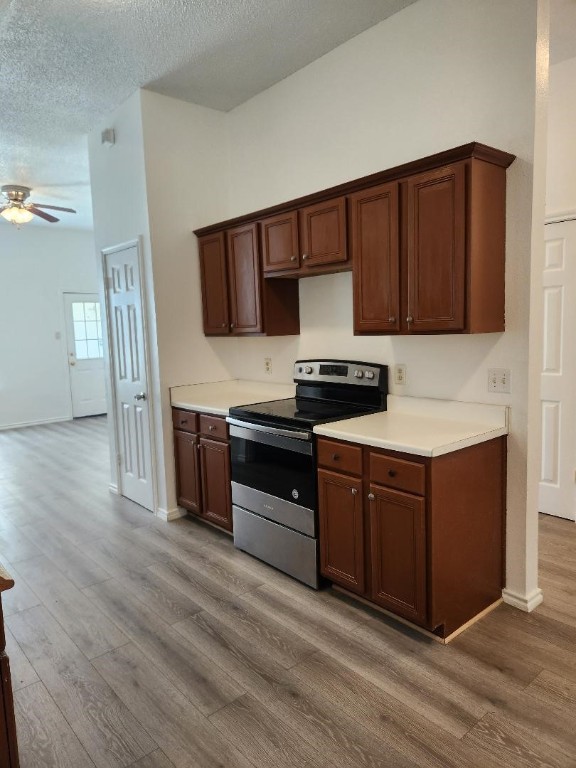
point(341, 530)
point(279, 237)
point(214, 282)
point(376, 253)
point(323, 234)
point(398, 556)
point(244, 280)
point(235, 300)
point(436, 250)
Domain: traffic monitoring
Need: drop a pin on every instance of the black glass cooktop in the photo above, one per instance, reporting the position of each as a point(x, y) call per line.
point(298, 412)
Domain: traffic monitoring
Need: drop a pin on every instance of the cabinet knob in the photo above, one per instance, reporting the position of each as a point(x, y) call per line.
point(211, 428)
point(183, 421)
point(371, 497)
point(223, 325)
point(392, 473)
point(391, 319)
point(335, 457)
point(304, 256)
point(293, 258)
point(409, 319)
point(231, 326)
point(354, 491)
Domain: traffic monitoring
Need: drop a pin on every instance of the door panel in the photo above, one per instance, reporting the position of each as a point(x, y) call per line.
point(323, 233)
point(376, 261)
point(557, 489)
point(244, 280)
point(398, 541)
point(187, 470)
point(84, 341)
point(280, 242)
point(128, 353)
point(212, 250)
point(436, 250)
point(341, 530)
point(215, 466)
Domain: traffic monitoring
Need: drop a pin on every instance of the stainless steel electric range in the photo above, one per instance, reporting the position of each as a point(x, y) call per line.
point(273, 453)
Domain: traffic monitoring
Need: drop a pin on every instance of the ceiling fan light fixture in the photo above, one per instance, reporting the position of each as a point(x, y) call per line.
point(17, 215)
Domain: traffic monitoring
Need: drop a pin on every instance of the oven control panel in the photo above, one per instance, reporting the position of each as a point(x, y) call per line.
point(340, 372)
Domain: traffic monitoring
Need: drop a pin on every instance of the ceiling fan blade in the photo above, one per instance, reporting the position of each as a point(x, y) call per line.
point(53, 207)
point(38, 212)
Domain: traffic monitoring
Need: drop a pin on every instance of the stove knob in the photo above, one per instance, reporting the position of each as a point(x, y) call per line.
point(308, 369)
point(300, 369)
point(358, 374)
point(369, 374)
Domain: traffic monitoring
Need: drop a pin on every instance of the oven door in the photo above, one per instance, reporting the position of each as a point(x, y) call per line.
point(275, 462)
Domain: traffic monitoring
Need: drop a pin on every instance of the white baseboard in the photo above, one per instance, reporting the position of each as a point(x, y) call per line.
point(113, 488)
point(21, 424)
point(525, 603)
point(170, 514)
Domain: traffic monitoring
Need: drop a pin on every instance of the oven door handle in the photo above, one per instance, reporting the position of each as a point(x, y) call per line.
point(269, 430)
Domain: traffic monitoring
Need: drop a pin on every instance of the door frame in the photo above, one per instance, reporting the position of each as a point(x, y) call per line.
point(109, 357)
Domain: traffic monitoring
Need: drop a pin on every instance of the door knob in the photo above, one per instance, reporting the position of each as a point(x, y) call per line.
point(72, 362)
point(140, 396)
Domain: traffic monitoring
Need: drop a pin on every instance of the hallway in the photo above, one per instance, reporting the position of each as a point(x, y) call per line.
point(134, 642)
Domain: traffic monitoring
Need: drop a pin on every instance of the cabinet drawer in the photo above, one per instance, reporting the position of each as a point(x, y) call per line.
point(340, 456)
point(214, 426)
point(398, 473)
point(185, 420)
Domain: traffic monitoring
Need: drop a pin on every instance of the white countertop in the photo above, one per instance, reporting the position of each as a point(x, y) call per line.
point(422, 426)
point(219, 396)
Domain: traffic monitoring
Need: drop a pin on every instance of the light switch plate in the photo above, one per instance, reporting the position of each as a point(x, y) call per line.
point(499, 380)
point(400, 374)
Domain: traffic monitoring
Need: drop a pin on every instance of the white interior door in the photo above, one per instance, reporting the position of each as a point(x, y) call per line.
point(558, 382)
point(129, 371)
point(85, 354)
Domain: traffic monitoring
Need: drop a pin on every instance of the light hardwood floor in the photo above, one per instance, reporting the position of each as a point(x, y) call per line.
point(139, 643)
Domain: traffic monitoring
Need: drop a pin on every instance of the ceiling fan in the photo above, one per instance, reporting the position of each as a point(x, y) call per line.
point(18, 211)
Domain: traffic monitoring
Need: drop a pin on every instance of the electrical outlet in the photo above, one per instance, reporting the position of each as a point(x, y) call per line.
point(400, 374)
point(499, 380)
point(267, 365)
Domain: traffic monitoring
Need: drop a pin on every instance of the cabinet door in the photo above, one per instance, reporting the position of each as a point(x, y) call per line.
point(279, 236)
point(398, 552)
point(212, 251)
point(323, 233)
point(244, 280)
point(215, 467)
point(187, 470)
point(375, 259)
point(436, 250)
point(341, 530)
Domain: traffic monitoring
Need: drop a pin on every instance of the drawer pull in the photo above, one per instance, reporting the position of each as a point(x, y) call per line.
point(371, 497)
point(392, 473)
point(354, 491)
point(183, 421)
point(211, 428)
point(335, 457)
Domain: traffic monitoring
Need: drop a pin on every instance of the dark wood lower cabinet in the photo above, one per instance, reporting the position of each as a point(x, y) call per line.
point(398, 556)
point(341, 530)
point(420, 537)
point(215, 464)
point(8, 742)
point(203, 466)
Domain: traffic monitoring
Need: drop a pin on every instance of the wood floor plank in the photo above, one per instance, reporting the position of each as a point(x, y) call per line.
point(551, 683)
point(22, 672)
point(327, 729)
point(206, 686)
point(408, 679)
point(20, 597)
point(92, 632)
point(265, 739)
point(107, 730)
point(14, 546)
point(271, 636)
point(64, 555)
point(187, 738)
point(156, 760)
point(45, 740)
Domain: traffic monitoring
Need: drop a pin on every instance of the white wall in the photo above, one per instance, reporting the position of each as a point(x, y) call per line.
point(436, 75)
point(38, 264)
point(561, 171)
point(120, 210)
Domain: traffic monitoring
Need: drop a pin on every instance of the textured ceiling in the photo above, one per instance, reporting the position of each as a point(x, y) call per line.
point(66, 63)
